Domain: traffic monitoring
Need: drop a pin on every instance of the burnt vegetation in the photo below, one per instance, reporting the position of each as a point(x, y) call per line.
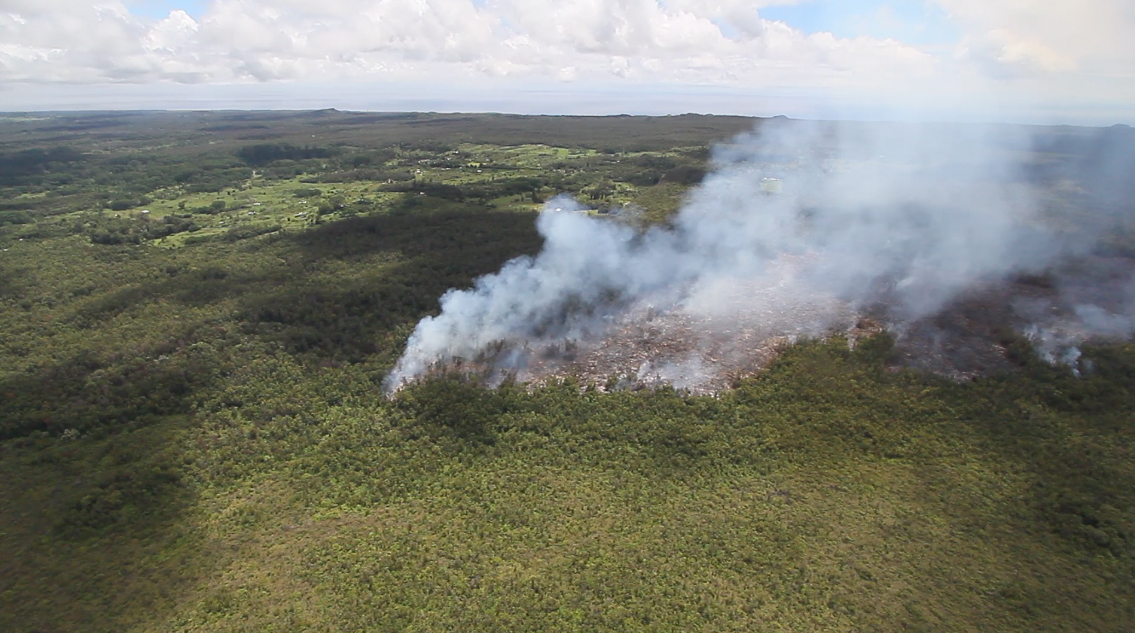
point(198, 310)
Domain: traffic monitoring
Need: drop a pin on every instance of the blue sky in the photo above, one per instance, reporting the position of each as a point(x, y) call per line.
point(161, 8)
point(912, 21)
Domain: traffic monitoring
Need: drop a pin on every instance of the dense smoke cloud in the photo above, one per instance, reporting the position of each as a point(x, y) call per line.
point(800, 227)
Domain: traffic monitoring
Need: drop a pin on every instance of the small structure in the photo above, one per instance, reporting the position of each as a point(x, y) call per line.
point(771, 185)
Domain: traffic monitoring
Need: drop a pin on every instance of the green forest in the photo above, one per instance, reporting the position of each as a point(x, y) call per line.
point(198, 309)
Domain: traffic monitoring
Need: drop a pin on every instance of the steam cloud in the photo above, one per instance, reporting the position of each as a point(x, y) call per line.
point(902, 216)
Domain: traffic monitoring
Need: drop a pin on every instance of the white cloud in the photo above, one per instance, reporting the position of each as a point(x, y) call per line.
point(1009, 45)
point(1050, 35)
point(286, 39)
point(1003, 52)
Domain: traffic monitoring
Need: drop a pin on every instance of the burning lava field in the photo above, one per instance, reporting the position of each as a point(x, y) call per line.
point(323, 371)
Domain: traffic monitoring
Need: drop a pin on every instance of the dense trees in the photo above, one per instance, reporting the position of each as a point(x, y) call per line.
point(265, 153)
point(30, 165)
point(197, 395)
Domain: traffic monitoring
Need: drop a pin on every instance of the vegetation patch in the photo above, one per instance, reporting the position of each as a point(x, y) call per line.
point(193, 434)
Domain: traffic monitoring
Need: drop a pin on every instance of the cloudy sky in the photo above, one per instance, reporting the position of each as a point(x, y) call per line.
point(1021, 60)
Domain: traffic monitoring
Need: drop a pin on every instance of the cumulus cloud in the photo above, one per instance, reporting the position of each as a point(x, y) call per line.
point(1003, 52)
point(704, 42)
point(234, 40)
point(1055, 35)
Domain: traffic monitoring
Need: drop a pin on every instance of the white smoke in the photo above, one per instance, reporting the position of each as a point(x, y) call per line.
point(907, 216)
point(1092, 306)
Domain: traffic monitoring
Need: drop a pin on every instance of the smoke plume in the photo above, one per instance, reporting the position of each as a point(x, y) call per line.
point(800, 229)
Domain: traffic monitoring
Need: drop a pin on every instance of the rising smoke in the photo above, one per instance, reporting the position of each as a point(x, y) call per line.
point(896, 220)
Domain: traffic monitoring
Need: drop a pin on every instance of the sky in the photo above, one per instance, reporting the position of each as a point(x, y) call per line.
point(1036, 61)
